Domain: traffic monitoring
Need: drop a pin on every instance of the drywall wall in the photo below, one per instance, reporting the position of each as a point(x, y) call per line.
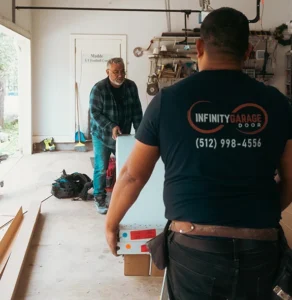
point(53, 106)
point(22, 18)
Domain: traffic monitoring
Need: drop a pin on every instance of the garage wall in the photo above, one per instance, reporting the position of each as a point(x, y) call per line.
point(23, 18)
point(53, 107)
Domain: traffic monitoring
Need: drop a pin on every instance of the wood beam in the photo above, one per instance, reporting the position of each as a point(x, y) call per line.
point(7, 240)
point(11, 275)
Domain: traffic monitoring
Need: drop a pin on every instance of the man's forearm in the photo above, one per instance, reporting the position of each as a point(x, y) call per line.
point(286, 195)
point(126, 192)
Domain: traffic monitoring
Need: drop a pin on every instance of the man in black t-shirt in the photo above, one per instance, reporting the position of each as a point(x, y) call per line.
point(221, 136)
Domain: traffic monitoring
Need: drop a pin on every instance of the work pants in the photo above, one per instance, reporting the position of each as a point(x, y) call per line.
point(231, 269)
point(101, 161)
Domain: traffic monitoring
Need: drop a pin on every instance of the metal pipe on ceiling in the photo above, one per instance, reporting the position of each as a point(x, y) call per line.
point(185, 11)
point(109, 9)
point(258, 12)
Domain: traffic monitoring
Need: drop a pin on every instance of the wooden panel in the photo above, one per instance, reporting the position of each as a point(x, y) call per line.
point(289, 209)
point(287, 219)
point(136, 265)
point(8, 239)
point(5, 241)
point(155, 272)
point(286, 223)
point(288, 234)
point(10, 278)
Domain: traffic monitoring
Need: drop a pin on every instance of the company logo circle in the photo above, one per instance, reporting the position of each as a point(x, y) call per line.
point(248, 118)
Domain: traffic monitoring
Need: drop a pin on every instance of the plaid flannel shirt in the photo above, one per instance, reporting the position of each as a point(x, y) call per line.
point(104, 113)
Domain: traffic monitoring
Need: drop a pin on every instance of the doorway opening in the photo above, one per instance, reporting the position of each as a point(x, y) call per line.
point(88, 66)
point(9, 104)
point(15, 94)
point(15, 99)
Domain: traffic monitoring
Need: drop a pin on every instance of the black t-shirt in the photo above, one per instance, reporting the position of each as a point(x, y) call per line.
point(119, 94)
point(221, 135)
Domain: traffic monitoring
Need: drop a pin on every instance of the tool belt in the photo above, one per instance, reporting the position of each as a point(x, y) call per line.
point(217, 246)
point(266, 234)
point(158, 246)
point(247, 239)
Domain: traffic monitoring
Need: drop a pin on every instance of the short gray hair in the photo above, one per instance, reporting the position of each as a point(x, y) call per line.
point(115, 60)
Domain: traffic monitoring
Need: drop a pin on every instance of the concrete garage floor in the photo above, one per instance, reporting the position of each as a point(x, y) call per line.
point(68, 258)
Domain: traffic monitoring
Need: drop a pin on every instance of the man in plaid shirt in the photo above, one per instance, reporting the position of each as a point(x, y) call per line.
point(114, 107)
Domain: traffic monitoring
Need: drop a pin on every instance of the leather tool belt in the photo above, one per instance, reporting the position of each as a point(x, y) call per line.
point(265, 234)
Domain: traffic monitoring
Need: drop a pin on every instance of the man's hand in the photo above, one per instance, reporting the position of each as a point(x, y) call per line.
point(116, 132)
point(112, 240)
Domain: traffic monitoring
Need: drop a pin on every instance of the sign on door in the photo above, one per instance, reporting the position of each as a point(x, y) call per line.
point(92, 53)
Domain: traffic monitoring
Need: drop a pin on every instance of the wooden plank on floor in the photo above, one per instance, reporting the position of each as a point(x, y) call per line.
point(6, 256)
point(289, 209)
point(287, 219)
point(7, 240)
point(10, 278)
point(5, 220)
point(288, 234)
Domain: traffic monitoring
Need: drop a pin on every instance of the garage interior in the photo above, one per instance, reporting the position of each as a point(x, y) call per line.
point(67, 256)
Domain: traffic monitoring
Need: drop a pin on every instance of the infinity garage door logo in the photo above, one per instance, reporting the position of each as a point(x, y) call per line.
point(248, 118)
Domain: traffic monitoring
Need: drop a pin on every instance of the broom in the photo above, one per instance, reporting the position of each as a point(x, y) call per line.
point(79, 147)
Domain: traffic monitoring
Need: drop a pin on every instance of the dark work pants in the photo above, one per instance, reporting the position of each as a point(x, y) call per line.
point(237, 275)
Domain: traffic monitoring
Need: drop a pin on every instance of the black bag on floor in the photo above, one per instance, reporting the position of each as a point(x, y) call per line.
point(71, 185)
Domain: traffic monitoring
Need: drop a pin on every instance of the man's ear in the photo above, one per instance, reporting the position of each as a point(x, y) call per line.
point(248, 51)
point(107, 72)
point(200, 47)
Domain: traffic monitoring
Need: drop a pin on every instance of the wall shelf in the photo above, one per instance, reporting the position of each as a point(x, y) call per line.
point(184, 59)
point(172, 64)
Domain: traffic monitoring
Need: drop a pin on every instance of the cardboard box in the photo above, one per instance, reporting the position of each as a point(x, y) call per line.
point(155, 272)
point(286, 223)
point(136, 265)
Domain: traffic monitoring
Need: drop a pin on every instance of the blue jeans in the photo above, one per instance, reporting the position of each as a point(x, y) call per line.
point(101, 160)
point(244, 273)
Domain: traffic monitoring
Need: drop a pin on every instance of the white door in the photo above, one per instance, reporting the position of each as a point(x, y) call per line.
point(91, 56)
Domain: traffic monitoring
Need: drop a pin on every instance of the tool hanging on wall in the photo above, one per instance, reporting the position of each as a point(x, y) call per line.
point(266, 58)
point(79, 147)
point(152, 87)
point(138, 51)
point(282, 38)
point(152, 84)
point(79, 135)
